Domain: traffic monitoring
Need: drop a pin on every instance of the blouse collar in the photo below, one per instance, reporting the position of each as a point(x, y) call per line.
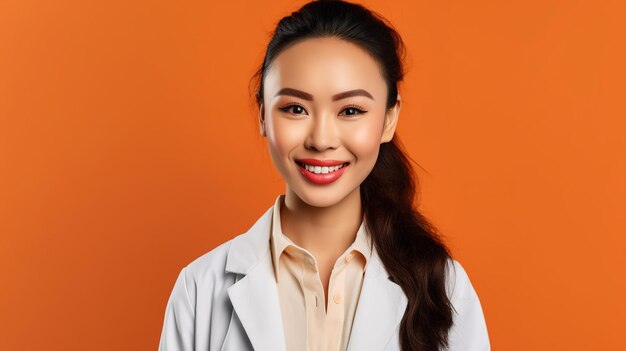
point(279, 242)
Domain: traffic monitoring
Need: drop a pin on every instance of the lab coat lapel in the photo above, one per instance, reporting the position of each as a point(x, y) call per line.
point(255, 296)
point(379, 310)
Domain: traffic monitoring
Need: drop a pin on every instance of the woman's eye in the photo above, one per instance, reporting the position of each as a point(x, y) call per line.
point(352, 111)
point(298, 110)
point(295, 109)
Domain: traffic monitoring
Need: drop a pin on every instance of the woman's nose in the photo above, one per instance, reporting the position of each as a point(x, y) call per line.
point(323, 133)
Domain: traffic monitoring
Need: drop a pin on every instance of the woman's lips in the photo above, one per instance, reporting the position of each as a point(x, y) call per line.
point(321, 179)
point(321, 163)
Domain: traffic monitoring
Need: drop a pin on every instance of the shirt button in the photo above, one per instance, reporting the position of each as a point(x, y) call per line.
point(349, 257)
point(337, 298)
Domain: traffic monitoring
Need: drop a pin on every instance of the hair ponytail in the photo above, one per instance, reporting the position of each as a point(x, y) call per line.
point(410, 249)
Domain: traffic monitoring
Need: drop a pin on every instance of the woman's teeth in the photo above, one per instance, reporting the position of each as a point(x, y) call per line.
point(321, 170)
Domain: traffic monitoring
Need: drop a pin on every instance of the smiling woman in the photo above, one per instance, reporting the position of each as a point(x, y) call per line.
point(346, 227)
point(324, 99)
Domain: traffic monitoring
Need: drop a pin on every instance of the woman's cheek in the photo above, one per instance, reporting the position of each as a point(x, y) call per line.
point(286, 137)
point(275, 133)
point(365, 141)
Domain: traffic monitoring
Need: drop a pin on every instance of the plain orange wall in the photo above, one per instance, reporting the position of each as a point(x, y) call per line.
point(129, 147)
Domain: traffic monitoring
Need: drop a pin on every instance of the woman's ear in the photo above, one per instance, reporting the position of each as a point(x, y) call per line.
point(391, 121)
point(262, 119)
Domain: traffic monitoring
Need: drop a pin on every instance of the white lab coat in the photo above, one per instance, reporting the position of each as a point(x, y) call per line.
point(227, 299)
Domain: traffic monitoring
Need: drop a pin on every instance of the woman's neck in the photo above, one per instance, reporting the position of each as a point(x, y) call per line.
point(326, 232)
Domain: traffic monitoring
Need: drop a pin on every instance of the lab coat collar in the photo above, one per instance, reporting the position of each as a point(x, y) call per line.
point(255, 300)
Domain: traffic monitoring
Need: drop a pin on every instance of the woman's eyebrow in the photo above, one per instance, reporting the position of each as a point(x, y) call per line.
point(306, 96)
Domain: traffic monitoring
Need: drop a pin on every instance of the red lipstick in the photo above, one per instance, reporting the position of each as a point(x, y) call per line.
point(321, 178)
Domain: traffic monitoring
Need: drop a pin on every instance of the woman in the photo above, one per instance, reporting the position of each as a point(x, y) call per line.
point(342, 260)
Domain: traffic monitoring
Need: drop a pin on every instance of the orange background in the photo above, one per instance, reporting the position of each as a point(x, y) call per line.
point(129, 147)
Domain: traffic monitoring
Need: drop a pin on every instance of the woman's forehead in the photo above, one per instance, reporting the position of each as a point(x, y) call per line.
point(325, 65)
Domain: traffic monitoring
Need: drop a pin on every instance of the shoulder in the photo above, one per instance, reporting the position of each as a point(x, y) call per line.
point(456, 277)
point(211, 263)
point(458, 284)
point(207, 272)
point(469, 330)
point(198, 298)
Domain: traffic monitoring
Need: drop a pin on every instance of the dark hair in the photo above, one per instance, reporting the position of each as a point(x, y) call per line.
point(409, 246)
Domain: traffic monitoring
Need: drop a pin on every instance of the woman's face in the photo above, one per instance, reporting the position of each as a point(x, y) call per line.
point(324, 99)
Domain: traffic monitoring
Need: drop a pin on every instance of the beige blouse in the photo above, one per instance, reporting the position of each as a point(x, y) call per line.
point(308, 324)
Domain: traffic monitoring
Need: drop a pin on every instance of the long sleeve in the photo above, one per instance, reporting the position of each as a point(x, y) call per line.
point(469, 332)
point(178, 325)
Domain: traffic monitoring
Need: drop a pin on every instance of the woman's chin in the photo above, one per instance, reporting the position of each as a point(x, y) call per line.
point(322, 197)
